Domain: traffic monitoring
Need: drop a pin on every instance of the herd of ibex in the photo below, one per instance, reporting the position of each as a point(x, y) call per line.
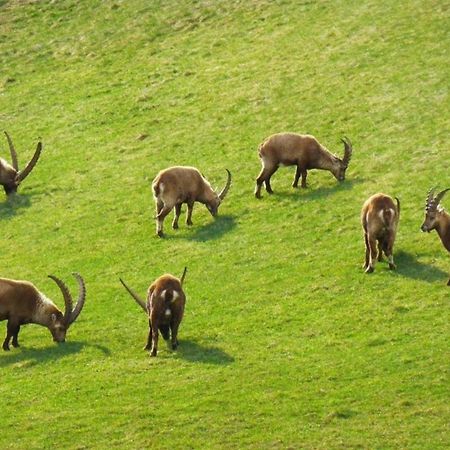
point(22, 303)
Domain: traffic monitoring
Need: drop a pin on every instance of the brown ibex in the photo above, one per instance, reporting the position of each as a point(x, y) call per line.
point(436, 218)
point(22, 303)
point(379, 218)
point(303, 151)
point(10, 175)
point(177, 185)
point(164, 307)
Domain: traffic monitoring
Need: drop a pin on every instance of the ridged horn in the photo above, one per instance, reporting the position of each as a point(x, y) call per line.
point(136, 297)
point(227, 186)
point(182, 276)
point(81, 298)
point(439, 197)
point(348, 149)
point(13, 152)
point(429, 200)
point(30, 166)
point(67, 298)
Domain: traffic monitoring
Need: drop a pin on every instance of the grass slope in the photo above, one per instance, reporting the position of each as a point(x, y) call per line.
point(285, 342)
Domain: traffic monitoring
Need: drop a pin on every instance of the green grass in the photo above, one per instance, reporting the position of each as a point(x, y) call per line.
point(286, 343)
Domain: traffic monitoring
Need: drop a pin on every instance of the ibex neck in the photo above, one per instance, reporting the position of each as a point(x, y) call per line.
point(44, 309)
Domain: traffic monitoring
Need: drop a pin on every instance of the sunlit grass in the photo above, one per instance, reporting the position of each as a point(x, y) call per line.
point(286, 343)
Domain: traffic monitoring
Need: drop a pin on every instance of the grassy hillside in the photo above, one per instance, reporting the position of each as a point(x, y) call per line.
point(286, 343)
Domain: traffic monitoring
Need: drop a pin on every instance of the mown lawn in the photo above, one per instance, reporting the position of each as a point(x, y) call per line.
point(286, 343)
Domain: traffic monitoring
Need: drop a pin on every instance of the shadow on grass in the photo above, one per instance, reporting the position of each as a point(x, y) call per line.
point(30, 357)
point(312, 193)
point(409, 266)
point(13, 204)
point(215, 229)
point(194, 352)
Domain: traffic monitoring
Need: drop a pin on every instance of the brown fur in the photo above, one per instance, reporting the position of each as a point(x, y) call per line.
point(438, 219)
point(177, 185)
point(303, 151)
point(22, 303)
point(165, 308)
point(379, 219)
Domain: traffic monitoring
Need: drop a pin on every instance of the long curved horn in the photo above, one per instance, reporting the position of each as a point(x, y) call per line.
point(136, 297)
point(227, 186)
point(438, 197)
point(67, 298)
point(29, 167)
point(429, 201)
point(81, 298)
point(182, 276)
point(348, 149)
point(13, 152)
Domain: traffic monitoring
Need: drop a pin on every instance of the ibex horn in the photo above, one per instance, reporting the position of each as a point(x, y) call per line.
point(12, 150)
point(348, 148)
point(182, 276)
point(29, 167)
point(136, 297)
point(67, 298)
point(227, 186)
point(81, 298)
point(429, 200)
point(438, 197)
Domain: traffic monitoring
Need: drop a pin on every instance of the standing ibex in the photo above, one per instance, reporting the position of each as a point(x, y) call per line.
point(177, 185)
point(10, 175)
point(303, 151)
point(437, 219)
point(22, 303)
point(164, 307)
point(379, 218)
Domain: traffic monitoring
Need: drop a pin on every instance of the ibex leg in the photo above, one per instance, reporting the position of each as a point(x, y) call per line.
point(190, 208)
point(160, 220)
point(176, 216)
point(372, 254)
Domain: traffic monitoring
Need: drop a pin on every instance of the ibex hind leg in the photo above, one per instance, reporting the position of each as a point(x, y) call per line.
point(176, 216)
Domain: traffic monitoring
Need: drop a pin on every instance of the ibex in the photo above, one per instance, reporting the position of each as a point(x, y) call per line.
point(10, 175)
point(303, 151)
point(177, 185)
point(437, 219)
point(22, 303)
point(164, 307)
point(379, 218)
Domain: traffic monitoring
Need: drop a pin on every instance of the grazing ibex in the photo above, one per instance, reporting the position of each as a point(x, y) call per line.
point(379, 218)
point(303, 151)
point(10, 175)
point(22, 303)
point(177, 185)
point(164, 307)
point(437, 219)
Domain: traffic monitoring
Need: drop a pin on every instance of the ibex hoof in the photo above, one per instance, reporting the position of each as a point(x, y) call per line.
point(153, 354)
point(160, 234)
point(189, 223)
point(6, 348)
point(257, 195)
point(175, 226)
point(392, 266)
point(370, 269)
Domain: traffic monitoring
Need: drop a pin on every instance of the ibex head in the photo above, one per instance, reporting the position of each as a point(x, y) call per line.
point(60, 323)
point(10, 175)
point(215, 201)
point(339, 172)
point(432, 208)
